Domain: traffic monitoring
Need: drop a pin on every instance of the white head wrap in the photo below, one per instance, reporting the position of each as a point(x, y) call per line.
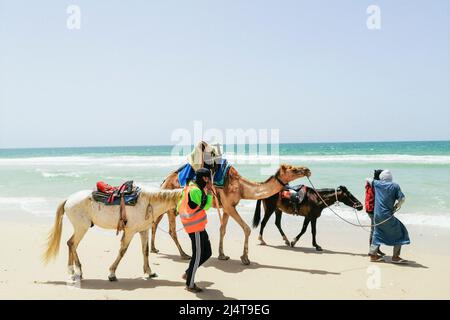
point(386, 175)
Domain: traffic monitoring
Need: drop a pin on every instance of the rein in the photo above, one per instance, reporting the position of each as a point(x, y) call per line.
point(349, 222)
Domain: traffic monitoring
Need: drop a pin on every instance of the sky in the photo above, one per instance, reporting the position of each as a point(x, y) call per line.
point(138, 70)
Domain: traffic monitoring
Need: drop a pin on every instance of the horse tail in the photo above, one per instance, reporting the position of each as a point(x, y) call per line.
point(257, 216)
point(54, 236)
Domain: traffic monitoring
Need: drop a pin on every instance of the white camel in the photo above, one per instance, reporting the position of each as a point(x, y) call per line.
point(83, 211)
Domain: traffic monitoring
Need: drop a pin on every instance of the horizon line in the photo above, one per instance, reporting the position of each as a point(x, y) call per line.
point(171, 145)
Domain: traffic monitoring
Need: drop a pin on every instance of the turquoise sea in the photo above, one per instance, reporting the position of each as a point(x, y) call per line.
point(34, 181)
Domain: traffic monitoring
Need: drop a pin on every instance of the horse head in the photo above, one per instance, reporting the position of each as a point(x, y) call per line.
point(346, 197)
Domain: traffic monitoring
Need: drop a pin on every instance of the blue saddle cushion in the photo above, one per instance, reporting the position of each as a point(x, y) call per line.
point(186, 173)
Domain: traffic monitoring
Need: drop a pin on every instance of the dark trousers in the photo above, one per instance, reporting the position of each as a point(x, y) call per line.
point(201, 251)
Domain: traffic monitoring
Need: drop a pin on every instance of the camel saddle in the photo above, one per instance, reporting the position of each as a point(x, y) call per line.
point(126, 194)
point(186, 173)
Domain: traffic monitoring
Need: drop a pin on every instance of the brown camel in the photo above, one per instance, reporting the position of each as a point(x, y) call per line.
point(236, 188)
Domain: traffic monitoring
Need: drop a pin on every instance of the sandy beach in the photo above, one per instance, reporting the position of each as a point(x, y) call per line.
point(341, 271)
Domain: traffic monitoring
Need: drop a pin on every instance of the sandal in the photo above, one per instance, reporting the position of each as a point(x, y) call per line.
point(400, 261)
point(376, 258)
point(194, 289)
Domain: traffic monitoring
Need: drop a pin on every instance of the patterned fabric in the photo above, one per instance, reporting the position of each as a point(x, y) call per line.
point(186, 173)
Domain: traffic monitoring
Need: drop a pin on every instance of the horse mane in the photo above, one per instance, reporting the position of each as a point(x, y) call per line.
point(326, 190)
point(164, 195)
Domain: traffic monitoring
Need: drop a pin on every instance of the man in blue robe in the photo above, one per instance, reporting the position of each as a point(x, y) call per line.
point(391, 232)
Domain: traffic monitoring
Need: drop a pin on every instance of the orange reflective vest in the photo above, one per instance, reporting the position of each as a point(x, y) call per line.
point(194, 220)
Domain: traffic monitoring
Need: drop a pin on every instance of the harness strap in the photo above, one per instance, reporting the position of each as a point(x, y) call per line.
point(122, 216)
point(280, 181)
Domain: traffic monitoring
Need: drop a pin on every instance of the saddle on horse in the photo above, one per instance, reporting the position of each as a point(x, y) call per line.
point(295, 195)
point(126, 194)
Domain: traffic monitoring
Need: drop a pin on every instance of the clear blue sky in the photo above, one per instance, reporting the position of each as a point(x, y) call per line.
point(144, 68)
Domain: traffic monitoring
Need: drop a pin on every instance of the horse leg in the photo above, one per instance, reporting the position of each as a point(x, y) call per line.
point(154, 227)
point(313, 231)
point(268, 213)
point(223, 229)
point(305, 226)
point(278, 224)
point(173, 234)
point(73, 243)
point(231, 210)
point(124, 243)
point(70, 268)
point(144, 241)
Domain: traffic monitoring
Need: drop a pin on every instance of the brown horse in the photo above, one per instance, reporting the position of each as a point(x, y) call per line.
point(311, 208)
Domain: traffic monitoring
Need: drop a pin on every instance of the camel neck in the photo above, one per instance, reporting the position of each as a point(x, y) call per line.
point(257, 190)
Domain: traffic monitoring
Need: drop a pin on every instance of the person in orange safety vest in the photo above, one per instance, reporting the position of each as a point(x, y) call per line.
point(195, 201)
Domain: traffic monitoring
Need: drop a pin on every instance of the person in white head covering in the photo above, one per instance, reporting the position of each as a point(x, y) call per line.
point(390, 231)
point(370, 203)
point(386, 175)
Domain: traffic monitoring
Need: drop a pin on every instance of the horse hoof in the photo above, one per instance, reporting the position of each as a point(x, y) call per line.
point(185, 257)
point(150, 276)
point(112, 278)
point(263, 243)
point(292, 244)
point(287, 243)
point(154, 250)
point(245, 261)
point(223, 257)
point(319, 248)
point(74, 278)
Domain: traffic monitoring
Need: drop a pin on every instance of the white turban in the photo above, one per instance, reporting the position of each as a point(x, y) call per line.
point(386, 175)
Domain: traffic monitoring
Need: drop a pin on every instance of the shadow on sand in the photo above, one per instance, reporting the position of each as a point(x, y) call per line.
point(410, 264)
point(313, 250)
point(139, 283)
point(235, 266)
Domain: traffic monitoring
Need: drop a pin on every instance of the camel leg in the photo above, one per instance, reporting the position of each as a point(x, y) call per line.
point(223, 229)
point(235, 215)
point(154, 227)
point(305, 226)
point(278, 224)
point(73, 242)
point(268, 213)
point(313, 231)
point(124, 243)
point(144, 241)
point(173, 234)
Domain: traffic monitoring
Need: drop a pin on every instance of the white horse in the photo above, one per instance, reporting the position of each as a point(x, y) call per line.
point(83, 212)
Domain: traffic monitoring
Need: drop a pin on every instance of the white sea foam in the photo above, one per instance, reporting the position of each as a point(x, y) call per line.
point(47, 174)
point(38, 206)
point(416, 219)
point(45, 207)
point(441, 220)
point(170, 161)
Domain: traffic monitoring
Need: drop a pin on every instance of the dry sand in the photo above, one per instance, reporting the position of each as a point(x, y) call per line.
point(341, 271)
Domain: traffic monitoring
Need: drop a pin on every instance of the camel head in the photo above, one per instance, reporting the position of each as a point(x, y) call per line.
point(288, 173)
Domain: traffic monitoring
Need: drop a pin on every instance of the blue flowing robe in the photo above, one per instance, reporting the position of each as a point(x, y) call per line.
point(391, 232)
